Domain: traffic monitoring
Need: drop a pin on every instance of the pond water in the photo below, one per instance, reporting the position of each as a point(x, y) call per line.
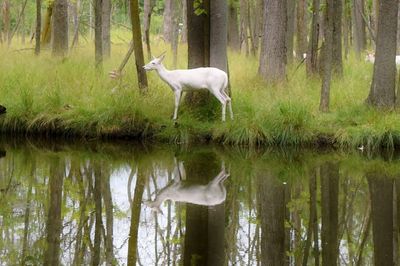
point(128, 204)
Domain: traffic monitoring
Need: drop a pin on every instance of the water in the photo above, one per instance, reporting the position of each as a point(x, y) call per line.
point(125, 204)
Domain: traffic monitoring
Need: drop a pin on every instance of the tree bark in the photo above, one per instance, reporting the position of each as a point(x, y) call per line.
point(98, 33)
point(137, 44)
point(147, 10)
point(46, 32)
point(233, 29)
point(175, 31)
point(327, 56)
point(218, 35)
point(184, 21)
point(359, 26)
point(106, 25)
point(382, 91)
point(312, 58)
point(273, 49)
point(75, 10)
point(291, 7)
point(198, 23)
point(60, 28)
point(38, 26)
point(337, 64)
point(168, 20)
point(6, 21)
point(301, 37)
point(244, 25)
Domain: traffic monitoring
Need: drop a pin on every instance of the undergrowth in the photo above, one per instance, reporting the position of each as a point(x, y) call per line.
point(68, 97)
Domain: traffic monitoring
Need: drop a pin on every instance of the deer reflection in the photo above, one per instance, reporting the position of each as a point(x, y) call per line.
point(211, 194)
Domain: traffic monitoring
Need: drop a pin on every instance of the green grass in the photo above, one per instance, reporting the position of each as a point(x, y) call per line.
point(46, 95)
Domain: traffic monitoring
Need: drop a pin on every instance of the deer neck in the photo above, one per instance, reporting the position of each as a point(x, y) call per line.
point(164, 73)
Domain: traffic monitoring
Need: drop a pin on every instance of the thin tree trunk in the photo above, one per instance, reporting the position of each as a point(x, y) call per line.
point(273, 49)
point(38, 26)
point(337, 64)
point(301, 37)
point(291, 7)
point(184, 21)
point(359, 26)
point(6, 21)
point(346, 27)
point(137, 44)
point(148, 9)
point(75, 8)
point(46, 32)
point(106, 25)
point(108, 205)
point(327, 57)
point(175, 31)
point(244, 25)
point(312, 57)
point(382, 91)
point(98, 33)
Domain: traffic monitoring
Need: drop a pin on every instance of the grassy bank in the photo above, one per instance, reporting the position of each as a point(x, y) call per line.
point(67, 97)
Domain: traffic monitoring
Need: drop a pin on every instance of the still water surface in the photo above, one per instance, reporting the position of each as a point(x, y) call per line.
point(126, 204)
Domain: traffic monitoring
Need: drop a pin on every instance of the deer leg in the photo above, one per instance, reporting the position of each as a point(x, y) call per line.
point(178, 94)
point(229, 101)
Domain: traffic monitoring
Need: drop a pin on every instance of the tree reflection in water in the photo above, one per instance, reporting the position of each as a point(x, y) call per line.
point(81, 205)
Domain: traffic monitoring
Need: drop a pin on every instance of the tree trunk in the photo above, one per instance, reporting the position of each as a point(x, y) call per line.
point(218, 35)
point(175, 31)
point(359, 26)
point(382, 91)
point(381, 193)
point(291, 7)
point(184, 21)
point(273, 49)
point(301, 29)
point(244, 25)
point(137, 44)
point(6, 21)
point(60, 28)
point(198, 23)
point(98, 33)
point(106, 25)
point(329, 213)
point(327, 56)
point(38, 26)
point(108, 206)
point(147, 10)
point(54, 219)
point(75, 38)
point(312, 57)
point(23, 24)
point(233, 29)
point(46, 32)
point(168, 20)
point(346, 27)
point(337, 64)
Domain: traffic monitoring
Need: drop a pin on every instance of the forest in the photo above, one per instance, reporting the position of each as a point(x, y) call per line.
point(300, 72)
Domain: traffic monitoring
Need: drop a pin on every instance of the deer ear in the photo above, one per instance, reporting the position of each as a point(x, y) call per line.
point(161, 58)
point(153, 57)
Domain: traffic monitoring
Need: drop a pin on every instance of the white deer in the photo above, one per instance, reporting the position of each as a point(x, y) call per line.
point(210, 78)
point(370, 57)
point(212, 194)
